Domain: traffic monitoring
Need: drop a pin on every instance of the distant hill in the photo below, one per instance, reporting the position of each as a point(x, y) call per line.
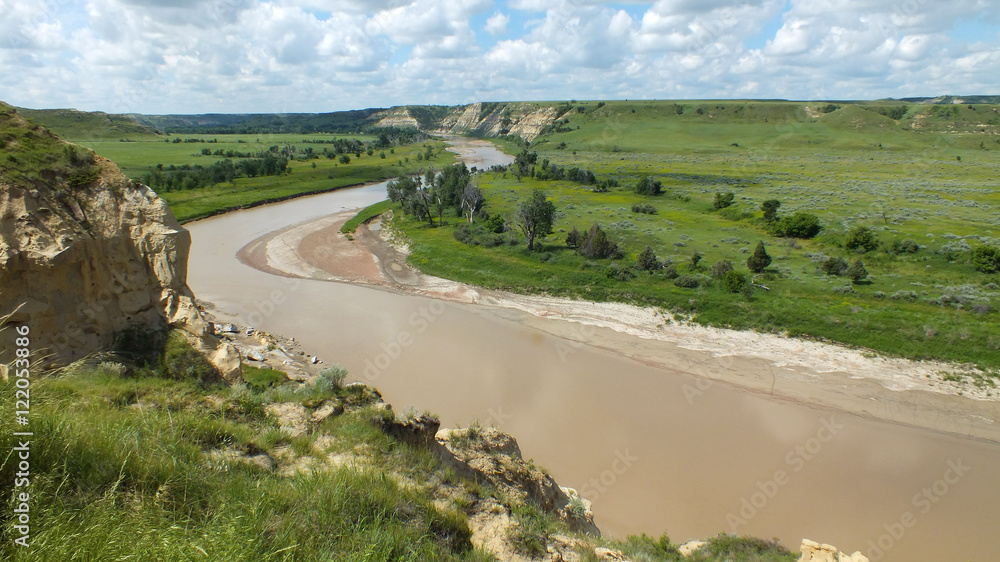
point(252, 123)
point(955, 100)
point(70, 123)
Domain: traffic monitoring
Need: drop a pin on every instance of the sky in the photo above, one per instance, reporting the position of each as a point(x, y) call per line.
point(242, 56)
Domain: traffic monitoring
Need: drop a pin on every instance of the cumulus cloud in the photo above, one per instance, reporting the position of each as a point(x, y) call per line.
point(322, 55)
point(497, 23)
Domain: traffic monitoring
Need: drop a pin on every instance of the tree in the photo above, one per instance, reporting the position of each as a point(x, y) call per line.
point(345, 159)
point(524, 163)
point(472, 201)
point(723, 200)
point(647, 260)
point(648, 186)
point(857, 271)
point(770, 208)
point(535, 216)
point(759, 261)
point(861, 239)
point(986, 259)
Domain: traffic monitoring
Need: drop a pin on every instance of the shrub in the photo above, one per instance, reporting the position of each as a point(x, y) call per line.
point(723, 200)
point(857, 271)
point(986, 259)
point(906, 246)
point(799, 225)
point(720, 268)
point(334, 376)
point(770, 208)
point(496, 224)
point(595, 244)
point(644, 208)
point(181, 361)
point(759, 261)
point(834, 266)
point(648, 186)
point(734, 281)
point(670, 271)
point(573, 238)
point(647, 260)
point(696, 260)
point(861, 239)
point(619, 273)
point(687, 281)
point(463, 233)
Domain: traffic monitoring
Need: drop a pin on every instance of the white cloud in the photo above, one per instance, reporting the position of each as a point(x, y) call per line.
point(497, 23)
point(321, 55)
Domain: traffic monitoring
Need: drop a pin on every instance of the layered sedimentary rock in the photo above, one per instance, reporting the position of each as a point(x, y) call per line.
point(81, 261)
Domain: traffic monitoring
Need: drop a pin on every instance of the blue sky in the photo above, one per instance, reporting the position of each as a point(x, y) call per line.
point(195, 56)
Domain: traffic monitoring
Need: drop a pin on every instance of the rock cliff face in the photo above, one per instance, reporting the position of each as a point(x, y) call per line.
point(525, 120)
point(85, 252)
point(398, 117)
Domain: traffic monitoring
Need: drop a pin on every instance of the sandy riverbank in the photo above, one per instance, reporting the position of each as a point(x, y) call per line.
point(806, 372)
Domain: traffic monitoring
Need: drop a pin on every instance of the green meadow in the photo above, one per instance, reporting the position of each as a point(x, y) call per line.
point(923, 179)
point(308, 173)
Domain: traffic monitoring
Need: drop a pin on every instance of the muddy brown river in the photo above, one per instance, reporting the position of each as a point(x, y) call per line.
point(655, 448)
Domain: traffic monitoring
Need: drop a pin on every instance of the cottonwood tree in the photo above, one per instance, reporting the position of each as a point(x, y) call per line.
point(472, 201)
point(534, 217)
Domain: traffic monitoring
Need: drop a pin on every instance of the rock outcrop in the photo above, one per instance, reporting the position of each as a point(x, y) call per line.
point(494, 456)
point(816, 552)
point(398, 117)
point(525, 120)
point(86, 253)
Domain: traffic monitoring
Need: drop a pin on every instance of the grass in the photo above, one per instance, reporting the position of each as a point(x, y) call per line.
point(851, 167)
point(365, 215)
point(306, 176)
point(120, 469)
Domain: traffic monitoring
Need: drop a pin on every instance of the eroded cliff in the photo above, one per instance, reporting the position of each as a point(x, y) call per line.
point(86, 253)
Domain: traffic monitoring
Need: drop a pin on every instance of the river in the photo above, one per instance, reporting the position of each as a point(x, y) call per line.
point(655, 448)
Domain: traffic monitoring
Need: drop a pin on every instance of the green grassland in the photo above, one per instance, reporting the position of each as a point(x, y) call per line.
point(929, 176)
point(308, 174)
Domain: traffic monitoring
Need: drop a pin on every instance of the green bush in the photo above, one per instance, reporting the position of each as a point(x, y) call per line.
point(647, 260)
point(720, 268)
point(857, 271)
point(618, 273)
point(770, 208)
point(834, 266)
point(906, 246)
point(986, 259)
point(723, 200)
point(595, 244)
point(648, 186)
point(861, 239)
point(734, 281)
point(181, 361)
point(670, 271)
point(688, 281)
point(644, 208)
point(799, 225)
point(496, 224)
